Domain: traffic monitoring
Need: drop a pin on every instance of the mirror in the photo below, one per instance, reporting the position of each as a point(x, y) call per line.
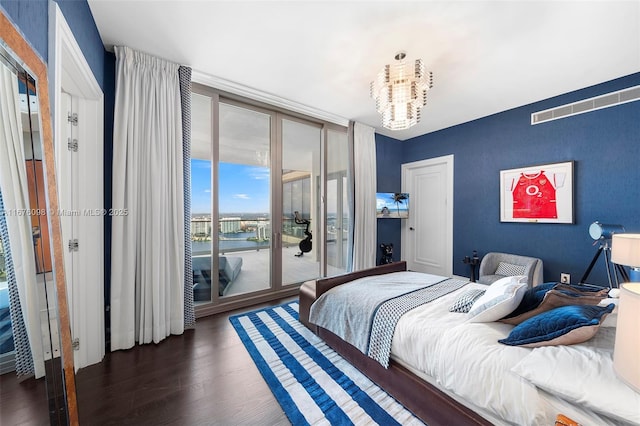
point(31, 258)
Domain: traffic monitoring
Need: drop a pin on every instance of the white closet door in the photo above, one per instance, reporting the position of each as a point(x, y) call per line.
point(88, 267)
point(427, 242)
point(65, 159)
point(79, 171)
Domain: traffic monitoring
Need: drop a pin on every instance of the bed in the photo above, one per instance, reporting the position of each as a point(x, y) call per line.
point(448, 370)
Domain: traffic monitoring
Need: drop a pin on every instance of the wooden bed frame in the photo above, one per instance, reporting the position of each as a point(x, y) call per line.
point(423, 399)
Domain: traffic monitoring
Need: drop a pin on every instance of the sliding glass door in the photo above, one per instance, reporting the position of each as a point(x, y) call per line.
point(301, 202)
point(259, 223)
point(338, 220)
point(202, 224)
point(230, 199)
point(244, 200)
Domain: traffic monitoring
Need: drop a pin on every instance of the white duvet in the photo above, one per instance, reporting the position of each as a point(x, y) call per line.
point(466, 359)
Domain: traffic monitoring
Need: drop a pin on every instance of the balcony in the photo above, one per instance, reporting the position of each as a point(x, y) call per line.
point(246, 248)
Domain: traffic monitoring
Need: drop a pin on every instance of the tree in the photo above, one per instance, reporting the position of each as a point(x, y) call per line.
point(398, 198)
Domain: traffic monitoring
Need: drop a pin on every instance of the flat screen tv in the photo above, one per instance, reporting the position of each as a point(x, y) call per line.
point(392, 205)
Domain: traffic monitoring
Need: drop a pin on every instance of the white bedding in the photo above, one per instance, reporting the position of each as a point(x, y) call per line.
point(596, 387)
point(466, 359)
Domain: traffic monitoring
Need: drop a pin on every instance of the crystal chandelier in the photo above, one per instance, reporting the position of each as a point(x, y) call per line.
point(400, 92)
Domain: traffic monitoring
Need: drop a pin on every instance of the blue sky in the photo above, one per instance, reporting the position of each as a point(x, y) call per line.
point(386, 200)
point(243, 188)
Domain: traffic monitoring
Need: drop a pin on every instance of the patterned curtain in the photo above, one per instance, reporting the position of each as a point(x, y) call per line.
point(350, 196)
point(23, 356)
point(185, 98)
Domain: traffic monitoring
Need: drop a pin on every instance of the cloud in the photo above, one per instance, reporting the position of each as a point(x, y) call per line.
point(207, 190)
point(241, 196)
point(259, 173)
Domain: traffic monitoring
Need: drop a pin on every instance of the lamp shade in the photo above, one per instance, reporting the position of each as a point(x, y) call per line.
point(625, 249)
point(626, 354)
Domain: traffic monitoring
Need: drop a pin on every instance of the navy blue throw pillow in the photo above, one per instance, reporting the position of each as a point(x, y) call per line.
point(535, 295)
point(532, 298)
point(561, 326)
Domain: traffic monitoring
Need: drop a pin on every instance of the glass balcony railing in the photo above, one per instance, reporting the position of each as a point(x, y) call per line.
point(244, 246)
point(236, 234)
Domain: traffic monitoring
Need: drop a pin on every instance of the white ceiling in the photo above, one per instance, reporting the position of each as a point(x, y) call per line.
point(486, 56)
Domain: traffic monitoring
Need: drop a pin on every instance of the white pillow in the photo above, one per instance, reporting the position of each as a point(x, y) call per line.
point(501, 298)
point(584, 376)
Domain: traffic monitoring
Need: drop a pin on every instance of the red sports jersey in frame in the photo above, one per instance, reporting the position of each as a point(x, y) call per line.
point(537, 194)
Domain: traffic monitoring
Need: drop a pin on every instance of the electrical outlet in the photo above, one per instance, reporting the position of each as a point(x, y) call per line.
point(565, 278)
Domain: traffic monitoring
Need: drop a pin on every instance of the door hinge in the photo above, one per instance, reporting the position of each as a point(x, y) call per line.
point(73, 245)
point(75, 343)
point(73, 118)
point(72, 144)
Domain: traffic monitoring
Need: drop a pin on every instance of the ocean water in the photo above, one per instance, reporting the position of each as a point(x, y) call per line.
point(230, 242)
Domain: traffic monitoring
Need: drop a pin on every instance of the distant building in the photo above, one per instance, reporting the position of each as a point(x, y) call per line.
point(201, 227)
point(230, 225)
point(263, 230)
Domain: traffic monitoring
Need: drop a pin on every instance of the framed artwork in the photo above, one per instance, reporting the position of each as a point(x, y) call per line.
point(537, 194)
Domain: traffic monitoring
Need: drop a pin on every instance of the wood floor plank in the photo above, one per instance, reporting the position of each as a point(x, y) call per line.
point(203, 377)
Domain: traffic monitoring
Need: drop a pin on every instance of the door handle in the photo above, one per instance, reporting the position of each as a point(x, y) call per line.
point(411, 228)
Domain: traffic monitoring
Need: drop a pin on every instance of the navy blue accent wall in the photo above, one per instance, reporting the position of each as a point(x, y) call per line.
point(389, 179)
point(32, 19)
point(109, 107)
point(605, 146)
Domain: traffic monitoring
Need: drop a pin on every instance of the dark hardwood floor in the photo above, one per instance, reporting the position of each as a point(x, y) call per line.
point(203, 377)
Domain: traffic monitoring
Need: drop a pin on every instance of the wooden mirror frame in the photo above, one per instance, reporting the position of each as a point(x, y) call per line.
point(20, 47)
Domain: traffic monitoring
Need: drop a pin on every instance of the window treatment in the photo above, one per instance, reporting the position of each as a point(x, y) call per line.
point(22, 350)
point(148, 244)
point(185, 101)
point(365, 223)
point(15, 195)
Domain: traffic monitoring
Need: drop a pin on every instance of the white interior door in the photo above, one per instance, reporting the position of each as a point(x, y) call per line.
point(80, 195)
point(427, 243)
point(66, 163)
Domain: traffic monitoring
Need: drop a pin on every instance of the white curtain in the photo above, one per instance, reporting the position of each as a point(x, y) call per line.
point(15, 193)
point(147, 249)
point(365, 223)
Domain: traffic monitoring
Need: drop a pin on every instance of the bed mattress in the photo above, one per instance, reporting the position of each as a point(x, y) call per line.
point(466, 361)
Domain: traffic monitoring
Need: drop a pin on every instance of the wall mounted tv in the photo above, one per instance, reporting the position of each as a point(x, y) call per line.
point(392, 205)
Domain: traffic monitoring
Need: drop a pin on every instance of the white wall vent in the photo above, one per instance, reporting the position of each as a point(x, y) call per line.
point(603, 101)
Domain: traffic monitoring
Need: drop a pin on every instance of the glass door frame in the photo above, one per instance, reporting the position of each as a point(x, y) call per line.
point(318, 207)
point(330, 127)
point(215, 177)
point(276, 289)
point(338, 177)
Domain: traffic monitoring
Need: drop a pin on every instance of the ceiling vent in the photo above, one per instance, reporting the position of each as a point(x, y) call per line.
point(604, 101)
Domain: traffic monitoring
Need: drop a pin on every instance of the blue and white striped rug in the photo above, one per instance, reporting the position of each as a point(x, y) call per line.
point(313, 384)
